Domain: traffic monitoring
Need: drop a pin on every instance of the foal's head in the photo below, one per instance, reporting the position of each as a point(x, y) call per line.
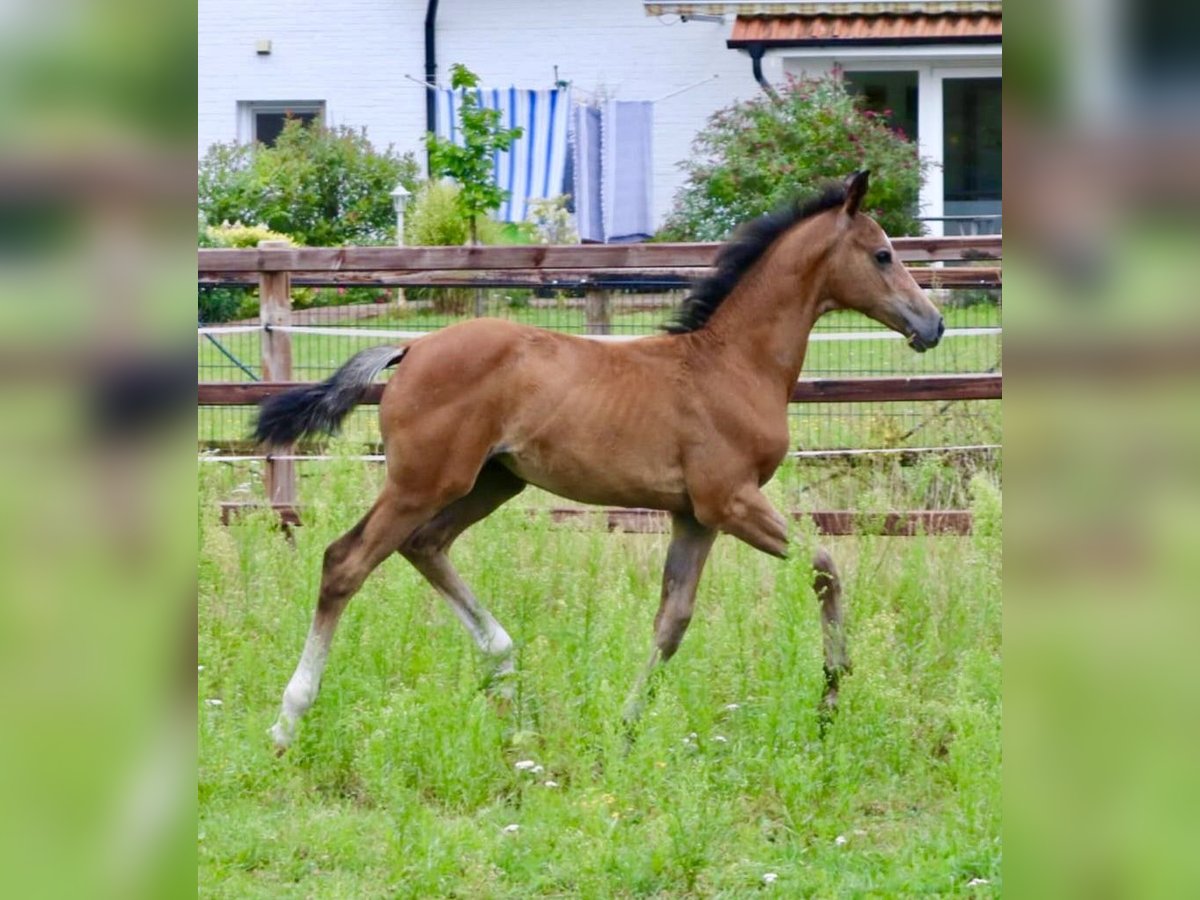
point(864, 274)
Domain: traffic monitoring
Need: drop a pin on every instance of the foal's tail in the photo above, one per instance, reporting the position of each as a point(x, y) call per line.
point(320, 408)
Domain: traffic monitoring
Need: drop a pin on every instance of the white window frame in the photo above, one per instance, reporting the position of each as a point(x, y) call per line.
point(933, 65)
point(248, 109)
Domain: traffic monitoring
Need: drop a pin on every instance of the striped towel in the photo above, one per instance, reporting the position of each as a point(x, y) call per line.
point(534, 167)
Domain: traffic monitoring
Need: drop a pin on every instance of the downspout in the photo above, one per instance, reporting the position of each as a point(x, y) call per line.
point(431, 67)
point(756, 56)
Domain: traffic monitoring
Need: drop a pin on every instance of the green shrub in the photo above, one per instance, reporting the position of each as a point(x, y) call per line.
point(322, 187)
point(223, 304)
point(434, 219)
point(755, 155)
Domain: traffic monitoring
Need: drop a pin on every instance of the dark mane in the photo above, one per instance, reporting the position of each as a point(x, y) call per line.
point(744, 248)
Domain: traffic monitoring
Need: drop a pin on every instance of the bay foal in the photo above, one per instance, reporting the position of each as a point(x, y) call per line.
point(693, 422)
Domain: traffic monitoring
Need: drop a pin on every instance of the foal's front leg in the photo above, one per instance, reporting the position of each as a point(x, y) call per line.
point(690, 544)
point(827, 585)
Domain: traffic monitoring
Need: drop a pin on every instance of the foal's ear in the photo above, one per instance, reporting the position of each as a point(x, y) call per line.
point(856, 189)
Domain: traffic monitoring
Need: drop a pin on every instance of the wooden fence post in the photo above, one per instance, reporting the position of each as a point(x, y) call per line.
point(275, 308)
point(596, 304)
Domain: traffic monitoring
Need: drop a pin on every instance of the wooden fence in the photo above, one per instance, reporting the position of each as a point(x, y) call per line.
point(598, 270)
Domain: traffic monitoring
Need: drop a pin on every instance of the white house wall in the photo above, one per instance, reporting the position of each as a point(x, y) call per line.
point(354, 55)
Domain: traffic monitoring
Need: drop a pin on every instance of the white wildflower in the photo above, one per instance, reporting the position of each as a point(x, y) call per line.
point(512, 829)
point(538, 770)
point(976, 882)
point(720, 739)
point(769, 877)
point(214, 702)
point(526, 765)
point(551, 784)
point(734, 707)
point(841, 840)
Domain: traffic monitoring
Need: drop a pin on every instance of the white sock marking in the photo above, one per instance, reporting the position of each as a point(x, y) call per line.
point(301, 690)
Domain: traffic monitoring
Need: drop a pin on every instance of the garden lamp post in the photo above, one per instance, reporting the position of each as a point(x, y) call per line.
point(400, 198)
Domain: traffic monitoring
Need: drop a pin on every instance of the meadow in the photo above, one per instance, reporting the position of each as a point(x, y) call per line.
point(407, 781)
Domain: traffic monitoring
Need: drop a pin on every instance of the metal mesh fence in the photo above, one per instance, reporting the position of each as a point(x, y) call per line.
point(844, 344)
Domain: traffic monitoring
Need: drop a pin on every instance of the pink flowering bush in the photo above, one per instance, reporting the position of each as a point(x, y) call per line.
point(755, 155)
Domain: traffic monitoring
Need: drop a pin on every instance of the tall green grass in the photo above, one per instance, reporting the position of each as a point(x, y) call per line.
point(403, 780)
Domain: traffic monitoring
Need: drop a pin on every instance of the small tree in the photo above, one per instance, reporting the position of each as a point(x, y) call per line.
point(471, 163)
point(755, 155)
point(322, 187)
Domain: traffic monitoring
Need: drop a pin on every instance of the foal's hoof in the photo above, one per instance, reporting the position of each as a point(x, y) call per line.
point(503, 706)
point(829, 701)
point(501, 690)
point(281, 736)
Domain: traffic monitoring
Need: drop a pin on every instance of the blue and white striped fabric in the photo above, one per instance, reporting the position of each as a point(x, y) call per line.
point(533, 168)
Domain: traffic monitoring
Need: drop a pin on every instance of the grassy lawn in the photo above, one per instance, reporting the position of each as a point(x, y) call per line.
point(403, 781)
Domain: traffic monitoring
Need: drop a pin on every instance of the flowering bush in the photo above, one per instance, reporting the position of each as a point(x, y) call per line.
point(236, 234)
point(552, 222)
point(221, 304)
point(755, 155)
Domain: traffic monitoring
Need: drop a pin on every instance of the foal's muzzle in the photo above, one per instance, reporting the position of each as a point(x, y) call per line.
point(926, 335)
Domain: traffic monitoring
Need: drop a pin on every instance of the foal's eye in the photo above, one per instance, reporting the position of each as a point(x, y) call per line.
point(883, 257)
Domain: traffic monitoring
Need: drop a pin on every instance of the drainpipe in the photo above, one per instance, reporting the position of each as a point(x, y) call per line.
point(430, 67)
point(756, 56)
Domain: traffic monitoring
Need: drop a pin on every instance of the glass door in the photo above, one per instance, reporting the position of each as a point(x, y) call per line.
point(972, 161)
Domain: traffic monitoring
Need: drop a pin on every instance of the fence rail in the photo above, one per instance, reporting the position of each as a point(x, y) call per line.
point(662, 278)
point(812, 390)
point(585, 257)
point(598, 270)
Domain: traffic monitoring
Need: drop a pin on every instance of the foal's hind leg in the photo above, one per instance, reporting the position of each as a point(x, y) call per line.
point(426, 549)
point(690, 544)
point(828, 587)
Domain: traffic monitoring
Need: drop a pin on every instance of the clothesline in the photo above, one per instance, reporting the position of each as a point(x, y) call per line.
point(593, 95)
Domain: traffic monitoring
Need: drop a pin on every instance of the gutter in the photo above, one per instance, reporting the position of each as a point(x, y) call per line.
point(431, 67)
point(756, 52)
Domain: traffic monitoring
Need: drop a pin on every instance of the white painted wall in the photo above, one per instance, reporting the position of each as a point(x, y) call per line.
point(354, 54)
point(351, 54)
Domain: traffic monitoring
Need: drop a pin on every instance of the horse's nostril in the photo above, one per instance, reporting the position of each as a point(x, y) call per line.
point(941, 328)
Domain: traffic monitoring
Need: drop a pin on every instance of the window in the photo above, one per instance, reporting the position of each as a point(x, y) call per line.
point(891, 94)
point(263, 121)
point(1161, 69)
point(972, 132)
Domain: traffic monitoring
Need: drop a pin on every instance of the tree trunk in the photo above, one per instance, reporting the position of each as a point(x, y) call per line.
point(480, 300)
